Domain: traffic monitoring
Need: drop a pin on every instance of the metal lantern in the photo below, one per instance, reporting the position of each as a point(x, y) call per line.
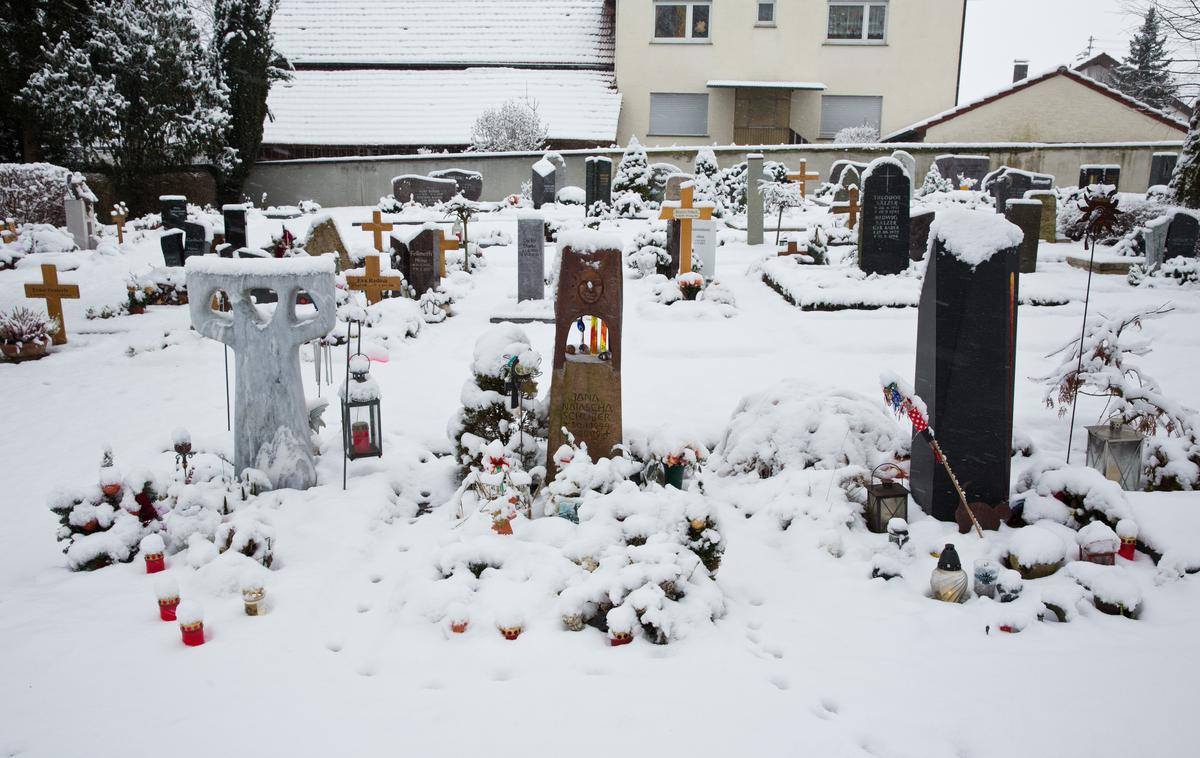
point(1115, 450)
point(886, 499)
point(360, 413)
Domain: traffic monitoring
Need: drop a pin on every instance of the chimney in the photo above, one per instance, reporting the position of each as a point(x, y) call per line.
point(1020, 70)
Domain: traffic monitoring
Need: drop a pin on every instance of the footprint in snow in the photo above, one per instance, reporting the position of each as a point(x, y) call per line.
point(501, 675)
point(779, 680)
point(362, 607)
point(376, 578)
point(334, 646)
point(826, 709)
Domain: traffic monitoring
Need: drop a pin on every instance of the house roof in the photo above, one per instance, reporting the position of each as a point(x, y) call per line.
point(435, 107)
point(919, 128)
point(433, 33)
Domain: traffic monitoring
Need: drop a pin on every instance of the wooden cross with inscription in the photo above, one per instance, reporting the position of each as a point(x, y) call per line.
point(803, 177)
point(53, 293)
point(685, 213)
point(852, 209)
point(376, 226)
point(373, 283)
point(119, 214)
point(445, 243)
point(9, 232)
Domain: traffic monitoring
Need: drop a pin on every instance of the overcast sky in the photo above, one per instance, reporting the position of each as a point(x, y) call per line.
point(1046, 32)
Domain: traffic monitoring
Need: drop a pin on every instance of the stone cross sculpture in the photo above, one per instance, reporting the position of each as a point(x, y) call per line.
point(270, 412)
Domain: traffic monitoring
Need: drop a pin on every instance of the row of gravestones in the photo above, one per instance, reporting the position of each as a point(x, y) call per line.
point(545, 181)
point(438, 187)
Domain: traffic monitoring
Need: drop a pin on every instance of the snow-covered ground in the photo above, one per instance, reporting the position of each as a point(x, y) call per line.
point(811, 657)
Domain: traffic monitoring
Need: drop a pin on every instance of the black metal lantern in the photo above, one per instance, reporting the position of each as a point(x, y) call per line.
point(360, 412)
point(886, 499)
point(1115, 450)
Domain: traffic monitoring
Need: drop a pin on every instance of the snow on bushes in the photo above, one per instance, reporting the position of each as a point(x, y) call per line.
point(1070, 495)
point(33, 193)
point(633, 173)
point(648, 253)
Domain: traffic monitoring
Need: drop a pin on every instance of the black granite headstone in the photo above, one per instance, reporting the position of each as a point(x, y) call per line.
point(1005, 184)
point(1026, 214)
point(174, 211)
point(196, 240)
point(544, 178)
point(1162, 168)
point(966, 338)
point(918, 234)
point(172, 247)
point(598, 183)
point(423, 190)
point(884, 244)
point(400, 257)
point(1182, 236)
point(423, 268)
point(1089, 175)
point(235, 226)
point(469, 183)
point(973, 167)
point(839, 167)
point(531, 259)
point(674, 240)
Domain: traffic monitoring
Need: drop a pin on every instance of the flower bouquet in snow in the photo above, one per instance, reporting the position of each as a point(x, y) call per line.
point(689, 284)
point(25, 334)
point(497, 487)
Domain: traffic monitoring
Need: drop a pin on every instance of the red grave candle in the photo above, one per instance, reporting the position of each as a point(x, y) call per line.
point(155, 562)
point(360, 435)
point(193, 634)
point(166, 608)
point(616, 639)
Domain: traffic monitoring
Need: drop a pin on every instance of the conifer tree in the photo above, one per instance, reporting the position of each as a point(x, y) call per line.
point(633, 172)
point(1144, 74)
point(1185, 183)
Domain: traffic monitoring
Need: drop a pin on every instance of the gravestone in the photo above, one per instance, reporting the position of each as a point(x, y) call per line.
point(754, 201)
point(910, 166)
point(423, 190)
point(674, 182)
point(884, 230)
point(469, 184)
point(1096, 174)
point(838, 169)
point(1049, 228)
point(171, 242)
point(850, 177)
point(966, 338)
point(659, 173)
point(1162, 168)
point(323, 237)
point(174, 211)
point(544, 188)
point(196, 241)
point(235, 226)
point(674, 240)
point(400, 254)
point(918, 233)
point(1154, 239)
point(585, 391)
point(77, 222)
point(1027, 216)
point(704, 246)
point(1182, 236)
point(271, 422)
point(973, 167)
point(423, 265)
point(531, 258)
point(598, 180)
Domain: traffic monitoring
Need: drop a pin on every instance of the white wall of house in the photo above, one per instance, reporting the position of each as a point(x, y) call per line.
point(1058, 109)
point(914, 68)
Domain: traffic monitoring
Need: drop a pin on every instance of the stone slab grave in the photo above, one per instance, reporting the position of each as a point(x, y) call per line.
point(1154, 241)
point(1183, 236)
point(423, 190)
point(1006, 183)
point(704, 247)
point(883, 244)
point(1162, 168)
point(544, 175)
point(80, 222)
point(597, 180)
point(1090, 174)
point(849, 176)
point(171, 243)
point(271, 429)
point(173, 209)
point(235, 227)
point(838, 169)
point(585, 391)
point(197, 239)
point(674, 238)
point(674, 182)
point(754, 200)
point(966, 359)
point(919, 222)
point(1048, 232)
point(971, 167)
point(323, 237)
point(1027, 216)
point(468, 183)
point(422, 268)
point(531, 258)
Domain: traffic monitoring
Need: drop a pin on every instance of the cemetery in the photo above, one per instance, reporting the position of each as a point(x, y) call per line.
point(897, 456)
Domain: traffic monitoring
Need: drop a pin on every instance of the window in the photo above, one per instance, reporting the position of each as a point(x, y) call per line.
point(678, 115)
point(857, 21)
point(681, 21)
point(841, 111)
point(766, 13)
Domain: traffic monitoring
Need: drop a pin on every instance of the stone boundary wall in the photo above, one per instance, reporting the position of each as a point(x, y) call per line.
point(362, 181)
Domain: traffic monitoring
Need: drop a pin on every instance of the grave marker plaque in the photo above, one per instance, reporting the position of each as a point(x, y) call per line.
point(77, 221)
point(174, 211)
point(1091, 174)
point(1162, 168)
point(598, 180)
point(235, 226)
point(918, 233)
point(423, 268)
point(423, 190)
point(674, 182)
point(1048, 232)
point(973, 167)
point(196, 239)
point(172, 247)
point(531, 259)
point(544, 176)
point(885, 227)
point(1182, 236)
point(1154, 239)
point(1027, 215)
point(704, 244)
point(469, 184)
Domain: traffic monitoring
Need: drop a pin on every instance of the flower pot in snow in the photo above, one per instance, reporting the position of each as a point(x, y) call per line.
point(28, 351)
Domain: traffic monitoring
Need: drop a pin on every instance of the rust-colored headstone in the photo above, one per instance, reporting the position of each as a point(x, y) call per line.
point(585, 388)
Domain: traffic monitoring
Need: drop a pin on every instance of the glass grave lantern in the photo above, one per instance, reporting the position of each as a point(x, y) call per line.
point(361, 425)
point(887, 498)
point(1115, 450)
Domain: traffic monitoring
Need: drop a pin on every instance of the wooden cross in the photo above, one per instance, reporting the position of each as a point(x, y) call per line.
point(53, 293)
point(803, 177)
point(118, 218)
point(9, 233)
point(852, 208)
point(445, 243)
point(792, 249)
point(376, 226)
point(373, 283)
point(685, 213)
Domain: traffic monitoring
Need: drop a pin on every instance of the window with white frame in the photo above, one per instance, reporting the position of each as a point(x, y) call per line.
point(857, 20)
point(681, 20)
point(675, 114)
point(839, 112)
point(766, 13)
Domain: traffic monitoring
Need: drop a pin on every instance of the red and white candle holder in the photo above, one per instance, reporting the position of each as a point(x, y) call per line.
point(167, 607)
point(1128, 532)
point(155, 562)
point(616, 639)
point(511, 632)
point(191, 624)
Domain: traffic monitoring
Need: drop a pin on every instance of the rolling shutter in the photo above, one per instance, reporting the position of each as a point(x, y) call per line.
point(679, 115)
point(841, 111)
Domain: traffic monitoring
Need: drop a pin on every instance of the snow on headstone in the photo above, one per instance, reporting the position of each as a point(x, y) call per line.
point(884, 243)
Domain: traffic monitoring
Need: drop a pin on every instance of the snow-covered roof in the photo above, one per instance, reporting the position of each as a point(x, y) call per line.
point(574, 33)
point(749, 84)
point(435, 107)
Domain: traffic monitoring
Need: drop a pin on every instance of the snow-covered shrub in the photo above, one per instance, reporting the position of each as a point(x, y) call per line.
point(633, 173)
point(1172, 463)
point(1113, 590)
point(197, 511)
point(435, 306)
point(1070, 495)
point(577, 476)
point(33, 193)
point(159, 286)
point(496, 485)
point(629, 205)
point(98, 524)
point(648, 253)
point(1178, 270)
point(504, 368)
point(856, 135)
point(22, 326)
point(935, 182)
point(796, 424)
point(1036, 551)
point(659, 174)
point(661, 449)
point(730, 188)
point(1136, 211)
point(706, 177)
point(513, 127)
point(779, 196)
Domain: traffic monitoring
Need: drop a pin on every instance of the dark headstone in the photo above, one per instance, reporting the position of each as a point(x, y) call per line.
point(847, 178)
point(674, 240)
point(837, 170)
point(531, 259)
point(196, 241)
point(468, 183)
point(598, 180)
point(172, 247)
point(1162, 168)
point(174, 211)
point(235, 226)
point(1182, 236)
point(884, 228)
point(974, 167)
point(918, 234)
point(423, 190)
point(544, 177)
point(423, 269)
point(1089, 175)
point(1005, 184)
point(585, 391)
point(1027, 215)
point(966, 338)
point(400, 257)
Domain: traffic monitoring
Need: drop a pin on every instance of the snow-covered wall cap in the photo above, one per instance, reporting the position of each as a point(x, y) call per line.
point(878, 162)
point(1025, 201)
point(754, 156)
point(588, 241)
point(235, 207)
point(172, 197)
point(440, 173)
point(543, 167)
point(1098, 166)
point(971, 236)
point(297, 266)
point(424, 178)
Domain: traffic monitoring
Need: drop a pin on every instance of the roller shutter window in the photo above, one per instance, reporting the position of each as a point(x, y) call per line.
point(841, 111)
point(679, 114)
